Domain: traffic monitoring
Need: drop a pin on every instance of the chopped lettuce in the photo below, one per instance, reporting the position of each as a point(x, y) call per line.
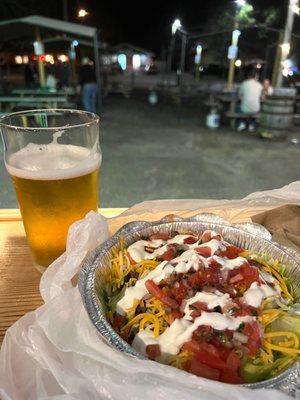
point(286, 323)
point(113, 300)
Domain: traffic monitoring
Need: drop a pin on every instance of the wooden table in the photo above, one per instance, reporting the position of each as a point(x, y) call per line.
point(43, 92)
point(38, 101)
point(19, 280)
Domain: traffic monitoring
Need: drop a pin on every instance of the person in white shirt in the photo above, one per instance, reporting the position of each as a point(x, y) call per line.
point(250, 94)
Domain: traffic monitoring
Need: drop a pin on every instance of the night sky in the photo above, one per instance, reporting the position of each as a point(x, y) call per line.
point(144, 23)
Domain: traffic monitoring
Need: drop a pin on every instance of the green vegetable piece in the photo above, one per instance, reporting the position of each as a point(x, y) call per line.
point(254, 373)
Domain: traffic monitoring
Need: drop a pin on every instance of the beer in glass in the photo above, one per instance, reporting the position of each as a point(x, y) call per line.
point(53, 158)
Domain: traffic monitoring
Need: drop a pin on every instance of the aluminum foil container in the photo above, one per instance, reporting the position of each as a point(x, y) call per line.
point(94, 278)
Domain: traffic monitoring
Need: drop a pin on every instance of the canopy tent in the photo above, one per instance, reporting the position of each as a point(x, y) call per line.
point(36, 27)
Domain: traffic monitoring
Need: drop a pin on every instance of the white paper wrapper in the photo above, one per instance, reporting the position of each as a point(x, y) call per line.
point(55, 352)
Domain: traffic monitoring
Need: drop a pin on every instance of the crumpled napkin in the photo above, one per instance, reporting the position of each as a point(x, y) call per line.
point(283, 223)
point(56, 353)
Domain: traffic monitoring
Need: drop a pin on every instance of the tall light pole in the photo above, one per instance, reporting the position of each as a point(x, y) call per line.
point(198, 61)
point(233, 48)
point(176, 25)
point(232, 55)
point(284, 46)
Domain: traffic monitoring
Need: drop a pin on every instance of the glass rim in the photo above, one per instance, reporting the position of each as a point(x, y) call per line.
point(94, 119)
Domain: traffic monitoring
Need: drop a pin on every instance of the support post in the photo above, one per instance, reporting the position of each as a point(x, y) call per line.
point(183, 52)
point(277, 66)
point(41, 67)
point(97, 69)
point(171, 53)
point(73, 65)
point(234, 42)
point(286, 41)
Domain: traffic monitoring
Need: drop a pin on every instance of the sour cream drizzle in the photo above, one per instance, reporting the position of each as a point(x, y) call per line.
point(181, 330)
point(212, 300)
point(257, 293)
point(138, 253)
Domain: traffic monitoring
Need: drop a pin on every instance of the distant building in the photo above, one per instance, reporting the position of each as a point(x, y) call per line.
point(127, 57)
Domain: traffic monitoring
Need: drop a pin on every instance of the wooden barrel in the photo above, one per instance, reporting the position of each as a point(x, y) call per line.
point(276, 116)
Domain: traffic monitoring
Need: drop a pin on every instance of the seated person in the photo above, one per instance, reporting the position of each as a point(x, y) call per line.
point(250, 93)
point(267, 89)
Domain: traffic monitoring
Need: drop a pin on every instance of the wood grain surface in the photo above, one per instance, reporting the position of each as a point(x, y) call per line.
point(19, 281)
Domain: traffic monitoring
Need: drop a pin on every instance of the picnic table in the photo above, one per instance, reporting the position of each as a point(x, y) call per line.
point(231, 99)
point(43, 92)
point(19, 283)
point(32, 101)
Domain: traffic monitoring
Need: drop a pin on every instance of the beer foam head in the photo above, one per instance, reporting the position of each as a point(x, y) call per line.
point(52, 161)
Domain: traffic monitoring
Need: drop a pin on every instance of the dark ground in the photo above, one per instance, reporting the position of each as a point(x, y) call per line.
point(156, 152)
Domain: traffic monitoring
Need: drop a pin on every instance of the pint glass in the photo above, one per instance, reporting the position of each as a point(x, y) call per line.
point(53, 158)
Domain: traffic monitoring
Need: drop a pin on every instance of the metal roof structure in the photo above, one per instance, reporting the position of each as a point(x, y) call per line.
point(21, 28)
point(37, 27)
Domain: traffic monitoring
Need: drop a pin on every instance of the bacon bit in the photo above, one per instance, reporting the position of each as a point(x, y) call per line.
point(160, 236)
point(157, 292)
point(175, 314)
point(199, 305)
point(214, 264)
point(169, 254)
point(149, 249)
point(153, 351)
point(236, 278)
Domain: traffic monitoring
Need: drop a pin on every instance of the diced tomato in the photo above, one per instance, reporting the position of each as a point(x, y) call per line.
point(207, 277)
point(253, 331)
point(197, 308)
point(197, 368)
point(160, 236)
point(243, 310)
point(208, 355)
point(211, 277)
point(169, 254)
point(204, 251)
point(192, 345)
point(199, 305)
point(174, 315)
point(236, 278)
point(229, 376)
point(214, 263)
point(153, 351)
point(119, 321)
point(155, 290)
point(203, 333)
point(179, 293)
point(250, 274)
point(231, 252)
point(190, 240)
point(223, 351)
point(195, 279)
point(233, 361)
